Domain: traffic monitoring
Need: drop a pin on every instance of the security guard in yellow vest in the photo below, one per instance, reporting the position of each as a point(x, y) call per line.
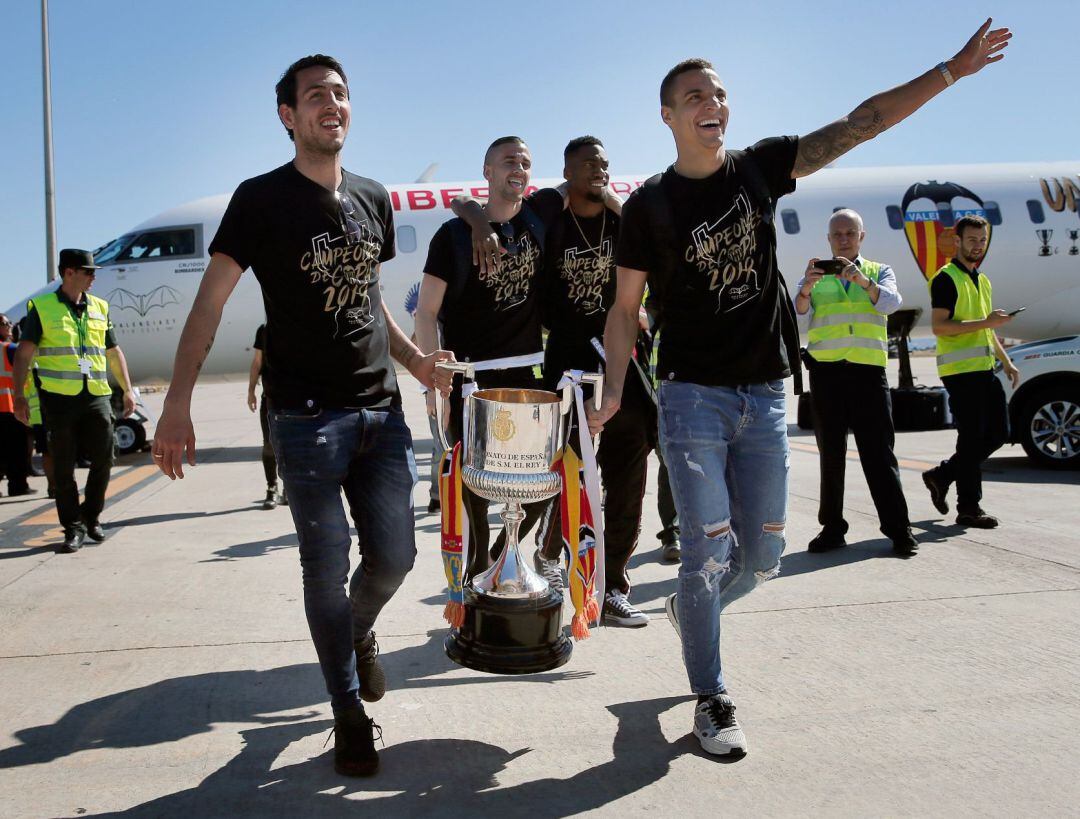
point(848, 346)
point(964, 321)
point(69, 333)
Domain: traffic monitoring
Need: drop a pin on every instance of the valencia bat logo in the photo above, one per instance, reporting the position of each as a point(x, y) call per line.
point(142, 303)
point(932, 243)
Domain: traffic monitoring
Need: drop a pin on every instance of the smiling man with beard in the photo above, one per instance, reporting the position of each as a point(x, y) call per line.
point(314, 235)
point(701, 234)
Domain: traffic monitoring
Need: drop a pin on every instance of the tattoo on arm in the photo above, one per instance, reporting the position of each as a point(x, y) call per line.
point(819, 148)
point(205, 353)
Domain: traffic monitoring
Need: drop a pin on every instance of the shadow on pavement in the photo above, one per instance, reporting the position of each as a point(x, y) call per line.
point(434, 777)
point(148, 520)
point(1019, 469)
point(255, 548)
point(229, 454)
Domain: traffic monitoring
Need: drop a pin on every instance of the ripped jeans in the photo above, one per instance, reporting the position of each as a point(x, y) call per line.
point(726, 451)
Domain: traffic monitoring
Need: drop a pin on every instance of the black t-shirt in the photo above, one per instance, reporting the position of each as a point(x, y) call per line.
point(579, 286)
point(943, 290)
point(721, 309)
point(260, 344)
point(498, 315)
point(318, 268)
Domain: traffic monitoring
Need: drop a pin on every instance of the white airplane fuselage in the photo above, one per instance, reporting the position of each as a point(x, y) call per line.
point(151, 274)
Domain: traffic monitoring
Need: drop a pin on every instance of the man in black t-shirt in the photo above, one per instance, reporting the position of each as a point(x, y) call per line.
point(314, 235)
point(701, 235)
point(579, 287)
point(485, 306)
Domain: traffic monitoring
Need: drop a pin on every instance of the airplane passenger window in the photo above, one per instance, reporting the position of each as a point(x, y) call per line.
point(895, 217)
point(791, 221)
point(993, 213)
point(406, 239)
point(1035, 211)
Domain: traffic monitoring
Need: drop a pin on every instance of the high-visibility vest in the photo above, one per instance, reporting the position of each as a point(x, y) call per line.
point(967, 352)
point(7, 382)
point(845, 325)
point(33, 400)
point(65, 339)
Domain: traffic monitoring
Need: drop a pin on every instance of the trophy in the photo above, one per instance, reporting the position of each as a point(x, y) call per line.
point(511, 439)
point(1074, 235)
point(1044, 237)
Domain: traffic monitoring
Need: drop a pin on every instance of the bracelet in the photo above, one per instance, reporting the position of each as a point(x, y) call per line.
point(946, 74)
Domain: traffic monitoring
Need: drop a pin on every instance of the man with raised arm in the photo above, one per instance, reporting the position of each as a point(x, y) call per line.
point(701, 234)
point(315, 235)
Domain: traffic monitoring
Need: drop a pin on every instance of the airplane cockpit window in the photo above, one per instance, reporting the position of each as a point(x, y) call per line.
point(1035, 211)
point(406, 239)
point(173, 242)
point(993, 213)
point(108, 253)
point(790, 218)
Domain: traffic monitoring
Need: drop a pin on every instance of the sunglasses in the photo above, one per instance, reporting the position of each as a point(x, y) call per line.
point(513, 247)
point(347, 218)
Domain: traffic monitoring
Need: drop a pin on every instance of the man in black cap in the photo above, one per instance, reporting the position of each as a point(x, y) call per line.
point(69, 333)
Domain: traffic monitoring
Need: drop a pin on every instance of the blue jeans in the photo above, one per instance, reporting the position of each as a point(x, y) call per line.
point(369, 455)
point(726, 451)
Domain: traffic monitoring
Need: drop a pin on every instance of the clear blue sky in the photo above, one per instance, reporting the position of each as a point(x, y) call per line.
point(157, 103)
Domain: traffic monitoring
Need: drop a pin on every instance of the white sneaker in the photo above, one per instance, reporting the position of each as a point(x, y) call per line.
point(672, 613)
point(717, 729)
point(551, 571)
point(617, 609)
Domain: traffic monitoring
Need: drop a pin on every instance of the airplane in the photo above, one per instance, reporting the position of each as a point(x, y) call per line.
point(151, 273)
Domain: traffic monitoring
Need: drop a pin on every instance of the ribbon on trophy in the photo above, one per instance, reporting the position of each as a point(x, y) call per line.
point(455, 523)
point(582, 538)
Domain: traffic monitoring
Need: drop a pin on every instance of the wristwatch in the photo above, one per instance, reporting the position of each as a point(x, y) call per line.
point(946, 73)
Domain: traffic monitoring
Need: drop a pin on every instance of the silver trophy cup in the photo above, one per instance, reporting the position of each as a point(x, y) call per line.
point(511, 439)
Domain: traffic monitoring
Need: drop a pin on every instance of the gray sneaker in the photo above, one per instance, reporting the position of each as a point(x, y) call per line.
point(672, 613)
point(717, 729)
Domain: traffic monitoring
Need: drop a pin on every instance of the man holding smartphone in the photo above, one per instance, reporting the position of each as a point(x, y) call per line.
point(848, 298)
point(964, 321)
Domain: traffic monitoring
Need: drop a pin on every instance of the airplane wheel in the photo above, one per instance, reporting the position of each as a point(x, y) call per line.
point(1049, 427)
point(130, 436)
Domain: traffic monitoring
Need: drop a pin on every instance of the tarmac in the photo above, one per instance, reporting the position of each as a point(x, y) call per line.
point(168, 671)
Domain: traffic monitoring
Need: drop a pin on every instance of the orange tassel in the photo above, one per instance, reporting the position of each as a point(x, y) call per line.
point(579, 627)
point(454, 614)
point(592, 609)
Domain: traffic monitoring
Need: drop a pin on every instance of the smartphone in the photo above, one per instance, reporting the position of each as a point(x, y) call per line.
point(831, 267)
point(1017, 310)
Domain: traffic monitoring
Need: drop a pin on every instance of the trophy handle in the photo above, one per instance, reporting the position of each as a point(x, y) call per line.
point(597, 380)
point(467, 371)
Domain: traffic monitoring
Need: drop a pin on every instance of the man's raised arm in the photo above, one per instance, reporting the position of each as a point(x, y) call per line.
point(884, 110)
point(174, 433)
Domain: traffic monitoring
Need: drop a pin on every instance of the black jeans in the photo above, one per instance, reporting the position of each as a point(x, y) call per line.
point(269, 461)
point(856, 397)
point(476, 507)
point(980, 414)
point(628, 438)
point(79, 425)
point(14, 456)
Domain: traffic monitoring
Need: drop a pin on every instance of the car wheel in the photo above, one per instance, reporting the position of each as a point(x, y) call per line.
point(1049, 427)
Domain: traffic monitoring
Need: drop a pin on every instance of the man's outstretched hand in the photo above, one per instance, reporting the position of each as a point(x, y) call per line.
point(174, 435)
point(984, 47)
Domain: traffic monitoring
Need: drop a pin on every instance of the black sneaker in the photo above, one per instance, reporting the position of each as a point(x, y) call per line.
point(977, 519)
point(271, 499)
point(826, 542)
point(906, 545)
point(717, 729)
point(354, 743)
point(939, 490)
point(369, 669)
point(618, 609)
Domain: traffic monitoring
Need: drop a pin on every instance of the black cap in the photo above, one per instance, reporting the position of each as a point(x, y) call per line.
point(70, 257)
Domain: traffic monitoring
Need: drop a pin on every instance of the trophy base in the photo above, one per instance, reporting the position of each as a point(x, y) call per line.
point(510, 636)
